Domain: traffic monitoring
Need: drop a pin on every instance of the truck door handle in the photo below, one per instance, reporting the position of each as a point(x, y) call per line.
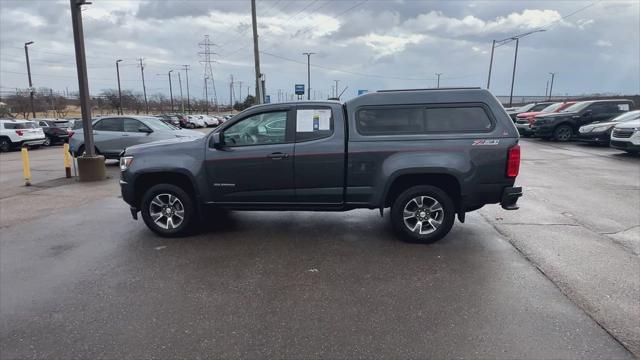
point(278, 156)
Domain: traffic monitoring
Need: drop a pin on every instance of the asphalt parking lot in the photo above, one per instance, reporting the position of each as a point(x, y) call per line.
point(557, 279)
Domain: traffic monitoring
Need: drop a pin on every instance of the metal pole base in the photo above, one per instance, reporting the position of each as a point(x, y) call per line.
point(91, 168)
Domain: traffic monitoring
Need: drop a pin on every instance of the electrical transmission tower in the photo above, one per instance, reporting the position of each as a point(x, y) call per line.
point(206, 56)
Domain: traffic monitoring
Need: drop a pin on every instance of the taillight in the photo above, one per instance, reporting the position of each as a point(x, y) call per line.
point(513, 161)
point(19, 132)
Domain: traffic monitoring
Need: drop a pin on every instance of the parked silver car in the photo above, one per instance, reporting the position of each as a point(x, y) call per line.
point(115, 133)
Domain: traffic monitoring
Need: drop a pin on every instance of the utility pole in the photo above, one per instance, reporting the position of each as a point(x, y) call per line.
point(170, 89)
point(256, 54)
point(181, 96)
point(438, 84)
point(186, 69)
point(553, 75)
point(308, 74)
point(206, 97)
point(90, 166)
point(337, 81)
point(119, 90)
point(26, 54)
point(144, 87)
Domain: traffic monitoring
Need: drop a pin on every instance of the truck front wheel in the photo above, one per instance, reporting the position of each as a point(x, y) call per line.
point(422, 214)
point(167, 210)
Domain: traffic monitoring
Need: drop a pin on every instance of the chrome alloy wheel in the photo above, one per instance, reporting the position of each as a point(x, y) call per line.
point(167, 211)
point(423, 215)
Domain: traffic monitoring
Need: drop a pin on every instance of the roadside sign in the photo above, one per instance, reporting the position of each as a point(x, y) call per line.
point(299, 89)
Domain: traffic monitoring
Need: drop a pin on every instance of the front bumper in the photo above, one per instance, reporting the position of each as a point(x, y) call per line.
point(542, 130)
point(595, 137)
point(624, 145)
point(510, 196)
point(524, 129)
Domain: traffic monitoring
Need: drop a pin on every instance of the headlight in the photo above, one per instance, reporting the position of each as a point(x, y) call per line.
point(125, 162)
point(602, 128)
point(585, 129)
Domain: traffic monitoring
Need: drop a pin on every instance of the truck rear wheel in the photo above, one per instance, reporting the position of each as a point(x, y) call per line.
point(167, 210)
point(422, 214)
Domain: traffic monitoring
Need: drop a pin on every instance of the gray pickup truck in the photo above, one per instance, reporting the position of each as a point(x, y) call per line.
point(429, 155)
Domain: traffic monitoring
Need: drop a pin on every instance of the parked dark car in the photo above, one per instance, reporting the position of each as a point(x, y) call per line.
point(426, 154)
point(564, 125)
point(55, 131)
point(599, 132)
point(526, 119)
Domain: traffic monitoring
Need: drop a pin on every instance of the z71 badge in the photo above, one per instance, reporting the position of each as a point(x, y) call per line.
point(485, 142)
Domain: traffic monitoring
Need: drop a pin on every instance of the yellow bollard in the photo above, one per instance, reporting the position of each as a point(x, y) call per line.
point(26, 169)
point(67, 160)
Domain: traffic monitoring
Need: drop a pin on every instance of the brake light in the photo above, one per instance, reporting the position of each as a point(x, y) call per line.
point(20, 132)
point(513, 161)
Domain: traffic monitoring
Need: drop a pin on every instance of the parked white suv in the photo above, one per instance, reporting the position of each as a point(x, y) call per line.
point(626, 136)
point(17, 133)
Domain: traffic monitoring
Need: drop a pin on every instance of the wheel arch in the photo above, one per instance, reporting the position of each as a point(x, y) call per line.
point(149, 179)
point(399, 182)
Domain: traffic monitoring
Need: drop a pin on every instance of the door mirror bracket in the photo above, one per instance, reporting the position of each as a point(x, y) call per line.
point(216, 141)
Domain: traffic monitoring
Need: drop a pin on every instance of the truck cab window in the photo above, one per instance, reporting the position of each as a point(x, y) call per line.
point(259, 129)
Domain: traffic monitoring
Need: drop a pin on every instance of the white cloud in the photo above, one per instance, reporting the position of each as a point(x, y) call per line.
point(604, 43)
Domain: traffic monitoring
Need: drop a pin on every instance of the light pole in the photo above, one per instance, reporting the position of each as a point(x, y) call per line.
point(119, 90)
point(170, 89)
point(493, 47)
point(515, 59)
point(206, 96)
point(308, 74)
point(553, 75)
point(181, 97)
point(26, 54)
point(438, 75)
point(498, 43)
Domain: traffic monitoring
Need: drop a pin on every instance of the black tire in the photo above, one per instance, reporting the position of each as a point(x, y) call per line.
point(406, 199)
point(5, 144)
point(185, 202)
point(562, 133)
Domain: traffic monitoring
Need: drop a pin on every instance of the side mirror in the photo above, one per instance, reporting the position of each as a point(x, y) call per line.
point(144, 129)
point(216, 141)
point(587, 113)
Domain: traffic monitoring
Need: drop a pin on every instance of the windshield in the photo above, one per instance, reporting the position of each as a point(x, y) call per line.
point(525, 108)
point(157, 124)
point(551, 108)
point(577, 106)
point(628, 116)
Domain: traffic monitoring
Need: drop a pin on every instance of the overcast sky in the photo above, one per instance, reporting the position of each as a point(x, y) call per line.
point(593, 46)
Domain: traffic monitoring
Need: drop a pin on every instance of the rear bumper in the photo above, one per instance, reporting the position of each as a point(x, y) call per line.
point(510, 196)
point(31, 142)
